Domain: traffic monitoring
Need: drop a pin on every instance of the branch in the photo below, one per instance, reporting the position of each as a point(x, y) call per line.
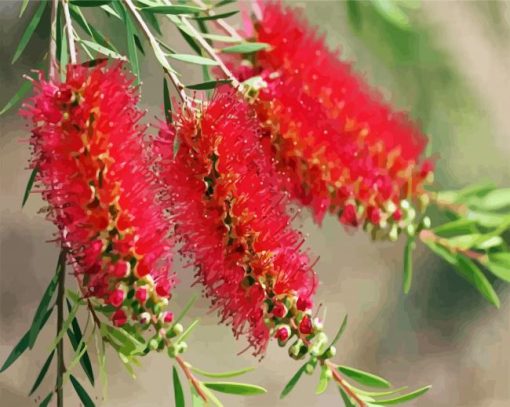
point(343, 384)
point(69, 30)
point(192, 379)
point(53, 67)
point(222, 24)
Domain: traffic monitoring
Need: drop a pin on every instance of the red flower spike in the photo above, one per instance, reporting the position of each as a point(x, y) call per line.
point(231, 217)
point(89, 149)
point(333, 139)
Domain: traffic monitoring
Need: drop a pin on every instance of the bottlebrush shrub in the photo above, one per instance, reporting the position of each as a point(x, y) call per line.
point(336, 144)
point(231, 220)
point(89, 152)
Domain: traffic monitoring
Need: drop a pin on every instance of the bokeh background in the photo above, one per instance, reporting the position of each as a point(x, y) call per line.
point(451, 69)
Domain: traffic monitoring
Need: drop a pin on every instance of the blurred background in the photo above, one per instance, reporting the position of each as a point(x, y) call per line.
point(449, 65)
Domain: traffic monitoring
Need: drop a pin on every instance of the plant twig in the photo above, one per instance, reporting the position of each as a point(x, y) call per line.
point(154, 43)
point(343, 384)
point(222, 24)
point(428, 235)
point(53, 67)
point(192, 379)
point(69, 30)
point(60, 322)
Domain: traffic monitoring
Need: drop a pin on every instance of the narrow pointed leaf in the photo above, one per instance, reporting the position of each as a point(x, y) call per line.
point(22, 345)
point(208, 85)
point(102, 50)
point(46, 400)
point(196, 400)
point(184, 311)
point(245, 48)
point(25, 38)
point(178, 393)
point(323, 381)
point(347, 401)
point(193, 59)
point(292, 382)
point(499, 265)
point(42, 373)
point(173, 9)
point(167, 102)
point(223, 375)
point(223, 3)
point(211, 397)
point(216, 16)
point(45, 300)
point(28, 188)
point(82, 393)
point(408, 265)
point(65, 326)
point(110, 11)
point(456, 227)
point(24, 5)
point(220, 38)
point(494, 200)
point(243, 389)
point(364, 378)
point(131, 46)
point(188, 330)
point(90, 3)
point(22, 91)
point(404, 398)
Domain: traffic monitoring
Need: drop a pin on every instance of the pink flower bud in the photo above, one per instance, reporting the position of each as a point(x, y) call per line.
point(145, 318)
point(279, 310)
point(397, 215)
point(141, 294)
point(305, 326)
point(117, 297)
point(119, 318)
point(303, 304)
point(121, 269)
point(167, 317)
point(283, 333)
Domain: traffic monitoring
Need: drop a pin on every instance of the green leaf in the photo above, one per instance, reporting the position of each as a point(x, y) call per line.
point(173, 9)
point(188, 330)
point(24, 5)
point(216, 16)
point(292, 382)
point(131, 46)
point(82, 393)
point(223, 3)
point(167, 102)
point(494, 200)
point(442, 252)
point(65, 326)
point(184, 311)
point(211, 397)
point(499, 265)
point(28, 188)
point(488, 220)
point(160, 56)
point(193, 59)
point(323, 380)
point(488, 242)
point(46, 400)
point(90, 3)
point(75, 337)
point(22, 345)
point(391, 11)
point(22, 91)
point(408, 264)
point(126, 344)
point(354, 14)
point(364, 378)
point(95, 34)
point(464, 242)
point(220, 38)
point(42, 373)
point(456, 227)
point(345, 398)
point(472, 273)
point(208, 85)
point(196, 400)
point(243, 389)
point(110, 11)
point(45, 300)
point(245, 48)
point(373, 394)
point(178, 393)
point(102, 50)
point(189, 39)
point(404, 398)
point(339, 334)
point(32, 25)
point(223, 375)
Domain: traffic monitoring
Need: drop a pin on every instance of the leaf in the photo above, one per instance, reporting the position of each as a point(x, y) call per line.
point(46, 400)
point(23, 89)
point(216, 16)
point(160, 56)
point(442, 252)
point(167, 102)
point(127, 344)
point(28, 188)
point(390, 10)
point(45, 300)
point(292, 382)
point(488, 242)
point(65, 326)
point(178, 393)
point(223, 3)
point(173, 9)
point(196, 400)
point(323, 380)
point(223, 375)
point(499, 265)
point(75, 337)
point(24, 5)
point(90, 3)
point(345, 398)
point(131, 46)
point(82, 393)
point(29, 31)
point(494, 200)
point(354, 14)
point(188, 330)
point(110, 11)
point(243, 389)
point(211, 397)
point(42, 373)
point(338, 335)
point(191, 42)
point(245, 48)
point(95, 34)
point(102, 50)
point(472, 273)
point(364, 378)
point(220, 38)
point(184, 311)
point(378, 393)
point(101, 360)
point(456, 227)
point(193, 59)
point(208, 85)
point(408, 264)
point(488, 220)
point(464, 242)
point(404, 398)
point(22, 345)
point(81, 349)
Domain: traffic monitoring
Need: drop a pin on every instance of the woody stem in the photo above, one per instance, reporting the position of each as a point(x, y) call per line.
point(192, 379)
point(69, 30)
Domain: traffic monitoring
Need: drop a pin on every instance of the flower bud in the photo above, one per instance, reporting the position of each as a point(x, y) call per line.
point(167, 317)
point(117, 297)
point(303, 304)
point(153, 344)
point(177, 329)
point(141, 294)
point(282, 334)
point(121, 269)
point(305, 326)
point(119, 318)
point(279, 310)
point(144, 318)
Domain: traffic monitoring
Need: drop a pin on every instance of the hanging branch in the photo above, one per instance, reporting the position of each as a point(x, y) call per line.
point(53, 67)
point(158, 51)
point(69, 30)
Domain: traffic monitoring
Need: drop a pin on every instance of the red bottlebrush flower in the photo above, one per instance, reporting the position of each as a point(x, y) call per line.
point(334, 141)
point(89, 149)
point(230, 216)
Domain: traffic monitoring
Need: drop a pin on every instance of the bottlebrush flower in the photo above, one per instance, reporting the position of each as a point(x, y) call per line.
point(336, 144)
point(231, 218)
point(89, 149)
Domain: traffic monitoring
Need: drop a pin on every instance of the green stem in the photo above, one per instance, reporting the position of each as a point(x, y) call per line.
point(60, 323)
